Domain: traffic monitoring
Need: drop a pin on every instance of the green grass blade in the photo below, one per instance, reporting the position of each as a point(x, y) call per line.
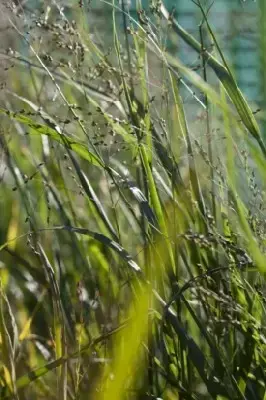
point(225, 77)
point(40, 129)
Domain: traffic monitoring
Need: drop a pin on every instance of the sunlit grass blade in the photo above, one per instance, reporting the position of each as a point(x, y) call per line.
point(40, 129)
point(59, 323)
point(8, 345)
point(226, 79)
point(124, 368)
point(93, 198)
point(25, 380)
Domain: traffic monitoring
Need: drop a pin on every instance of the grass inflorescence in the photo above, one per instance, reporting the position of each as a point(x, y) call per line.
point(133, 233)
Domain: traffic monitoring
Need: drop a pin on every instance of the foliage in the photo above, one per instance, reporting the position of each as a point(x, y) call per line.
point(132, 238)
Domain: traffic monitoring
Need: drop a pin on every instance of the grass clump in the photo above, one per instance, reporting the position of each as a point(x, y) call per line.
point(133, 238)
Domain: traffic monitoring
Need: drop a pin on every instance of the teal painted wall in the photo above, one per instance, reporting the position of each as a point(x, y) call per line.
point(235, 22)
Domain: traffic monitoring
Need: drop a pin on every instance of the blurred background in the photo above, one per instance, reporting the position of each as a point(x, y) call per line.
point(239, 26)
